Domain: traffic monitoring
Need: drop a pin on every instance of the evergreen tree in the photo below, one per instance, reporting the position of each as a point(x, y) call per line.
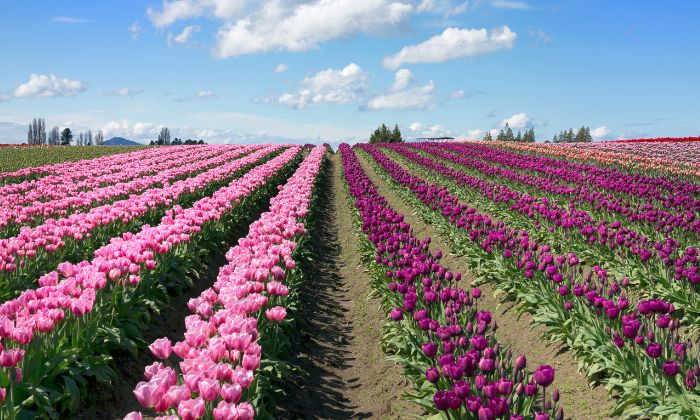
point(66, 137)
point(529, 136)
point(488, 136)
point(396, 135)
point(519, 137)
point(570, 136)
point(508, 133)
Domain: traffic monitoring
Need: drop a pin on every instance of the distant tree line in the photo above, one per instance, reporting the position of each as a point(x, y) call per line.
point(384, 135)
point(36, 135)
point(582, 135)
point(164, 139)
point(506, 134)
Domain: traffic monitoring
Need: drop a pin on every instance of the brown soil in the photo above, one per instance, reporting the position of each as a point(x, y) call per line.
point(346, 373)
point(518, 333)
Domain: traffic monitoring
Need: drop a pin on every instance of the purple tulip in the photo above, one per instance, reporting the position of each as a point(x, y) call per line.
point(432, 375)
point(544, 375)
point(654, 350)
point(671, 368)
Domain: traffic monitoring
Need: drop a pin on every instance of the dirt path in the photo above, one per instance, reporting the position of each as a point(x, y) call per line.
point(347, 373)
point(517, 333)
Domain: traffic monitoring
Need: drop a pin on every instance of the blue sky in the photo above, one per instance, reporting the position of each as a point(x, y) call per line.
point(241, 70)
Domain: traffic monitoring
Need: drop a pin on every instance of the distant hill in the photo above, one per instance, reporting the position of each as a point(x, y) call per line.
point(121, 141)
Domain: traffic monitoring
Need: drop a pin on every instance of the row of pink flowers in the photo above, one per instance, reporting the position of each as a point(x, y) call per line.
point(51, 235)
point(625, 160)
point(71, 292)
point(219, 351)
point(20, 209)
point(682, 153)
point(72, 172)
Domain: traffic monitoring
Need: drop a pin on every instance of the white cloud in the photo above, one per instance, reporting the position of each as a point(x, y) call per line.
point(418, 129)
point(175, 10)
point(277, 27)
point(475, 134)
point(453, 43)
point(541, 35)
point(448, 8)
point(68, 19)
point(281, 68)
point(510, 4)
point(401, 96)
point(122, 91)
point(517, 121)
point(600, 132)
point(184, 36)
point(426, 6)
point(135, 30)
point(401, 80)
point(457, 10)
point(42, 86)
point(201, 95)
point(328, 86)
point(458, 94)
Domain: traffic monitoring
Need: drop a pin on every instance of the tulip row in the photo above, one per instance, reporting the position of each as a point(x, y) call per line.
point(668, 191)
point(37, 250)
point(55, 335)
point(623, 251)
point(568, 183)
point(628, 161)
point(230, 333)
point(639, 352)
point(448, 345)
point(685, 151)
point(134, 178)
point(69, 173)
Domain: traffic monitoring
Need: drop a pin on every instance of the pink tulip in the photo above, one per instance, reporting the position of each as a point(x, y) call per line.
point(161, 348)
point(191, 409)
point(148, 394)
point(277, 313)
point(209, 389)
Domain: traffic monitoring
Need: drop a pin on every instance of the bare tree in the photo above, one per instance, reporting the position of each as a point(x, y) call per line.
point(37, 132)
point(54, 137)
point(99, 139)
point(81, 141)
point(164, 136)
point(88, 138)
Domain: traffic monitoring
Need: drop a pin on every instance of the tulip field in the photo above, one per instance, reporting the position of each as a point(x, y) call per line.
point(593, 245)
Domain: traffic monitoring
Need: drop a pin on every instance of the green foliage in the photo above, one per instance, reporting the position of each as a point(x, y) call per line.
point(384, 135)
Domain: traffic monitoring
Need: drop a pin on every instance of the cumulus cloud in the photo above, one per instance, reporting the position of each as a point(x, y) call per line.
point(402, 96)
point(278, 27)
point(600, 132)
point(453, 43)
point(517, 121)
point(281, 68)
point(448, 8)
point(418, 129)
point(43, 86)
point(201, 95)
point(68, 19)
point(475, 134)
point(135, 30)
point(122, 91)
point(458, 94)
point(541, 35)
point(510, 4)
point(332, 86)
point(183, 36)
point(175, 10)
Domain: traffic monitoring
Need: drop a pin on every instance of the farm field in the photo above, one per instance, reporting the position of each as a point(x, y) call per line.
point(455, 280)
